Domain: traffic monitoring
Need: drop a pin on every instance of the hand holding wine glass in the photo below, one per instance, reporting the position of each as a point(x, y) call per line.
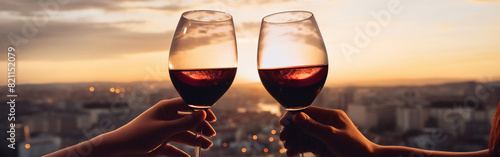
point(203, 58)
point(149, 134)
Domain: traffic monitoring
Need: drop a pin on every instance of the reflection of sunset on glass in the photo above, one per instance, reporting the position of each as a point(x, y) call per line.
point(424, 42)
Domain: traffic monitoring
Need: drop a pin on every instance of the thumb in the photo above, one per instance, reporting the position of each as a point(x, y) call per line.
point(187, 122)
point(312, 127)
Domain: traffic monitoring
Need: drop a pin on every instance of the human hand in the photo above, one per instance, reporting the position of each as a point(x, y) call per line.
point(150, 133)
point(332, 131)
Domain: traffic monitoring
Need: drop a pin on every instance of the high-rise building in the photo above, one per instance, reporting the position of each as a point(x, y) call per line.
point(346, 97)
point(409, 118)
point(362, 116)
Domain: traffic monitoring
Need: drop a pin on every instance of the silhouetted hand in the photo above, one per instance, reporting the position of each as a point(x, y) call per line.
point(149, 133)
point(334, 134)
point(332, 131)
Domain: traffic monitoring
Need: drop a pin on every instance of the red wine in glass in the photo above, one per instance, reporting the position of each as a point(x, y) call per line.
point(295, 88)
point(201, 88)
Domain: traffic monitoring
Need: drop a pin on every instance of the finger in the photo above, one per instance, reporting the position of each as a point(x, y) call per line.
point(297, 145)
point(317, 112)
point(169, 150)
point(207, 129)
point(289, 144)
point(174, 105)
point(191, 139)
point(292, 151)
point(286, 119)
point(333, 117)
point(286, 133)
point(296, 149)
point(312, 127)
point(210, 116)
point(292, 143)
point(186, 122)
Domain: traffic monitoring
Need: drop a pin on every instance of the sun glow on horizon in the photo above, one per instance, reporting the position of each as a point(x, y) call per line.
point(425, 41)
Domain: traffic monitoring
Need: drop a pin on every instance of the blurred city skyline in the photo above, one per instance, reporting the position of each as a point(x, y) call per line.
point(54, 116)
point(368, 43)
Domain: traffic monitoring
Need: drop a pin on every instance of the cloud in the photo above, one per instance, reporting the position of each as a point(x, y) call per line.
point(30, 7)
point(78, 41)
point(245, 26)
point(482, 1)
point(443, 27)
point(247, 30)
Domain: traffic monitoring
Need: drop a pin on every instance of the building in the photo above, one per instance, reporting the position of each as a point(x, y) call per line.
point(409, 118)
point(363, 116)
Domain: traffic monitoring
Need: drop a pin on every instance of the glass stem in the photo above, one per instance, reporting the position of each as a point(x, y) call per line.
point(197, 149)
point(300, 133)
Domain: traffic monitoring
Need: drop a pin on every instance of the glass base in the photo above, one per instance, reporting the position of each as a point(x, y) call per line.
point(199, 107)
point(297, 108)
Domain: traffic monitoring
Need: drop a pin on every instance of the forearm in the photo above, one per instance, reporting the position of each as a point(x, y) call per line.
point(97, 146)
point(399, 151)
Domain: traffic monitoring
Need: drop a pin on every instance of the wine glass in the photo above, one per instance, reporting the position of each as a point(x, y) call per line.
point(292, 60)
point(203, 58)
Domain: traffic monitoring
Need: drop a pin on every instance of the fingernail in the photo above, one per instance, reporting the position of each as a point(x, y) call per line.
point(287, 119)
point(207, 145)
point(198, 113)
point(300, 117)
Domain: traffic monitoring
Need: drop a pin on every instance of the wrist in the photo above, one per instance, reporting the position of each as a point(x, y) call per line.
point(104, 145)
point(376, 150)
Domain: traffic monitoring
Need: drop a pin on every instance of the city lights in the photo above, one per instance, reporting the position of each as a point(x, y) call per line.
point(243, 150)
point(273, 132)
point(112, 90)
point(271, 139)
point(91, 89)
point(254, 137)
point(266, 150)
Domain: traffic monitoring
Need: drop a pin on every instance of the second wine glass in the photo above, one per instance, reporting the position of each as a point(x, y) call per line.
point(203, 58)
point(292, 60)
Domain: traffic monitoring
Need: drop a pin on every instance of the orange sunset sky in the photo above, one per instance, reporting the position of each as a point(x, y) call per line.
point(125, 40)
